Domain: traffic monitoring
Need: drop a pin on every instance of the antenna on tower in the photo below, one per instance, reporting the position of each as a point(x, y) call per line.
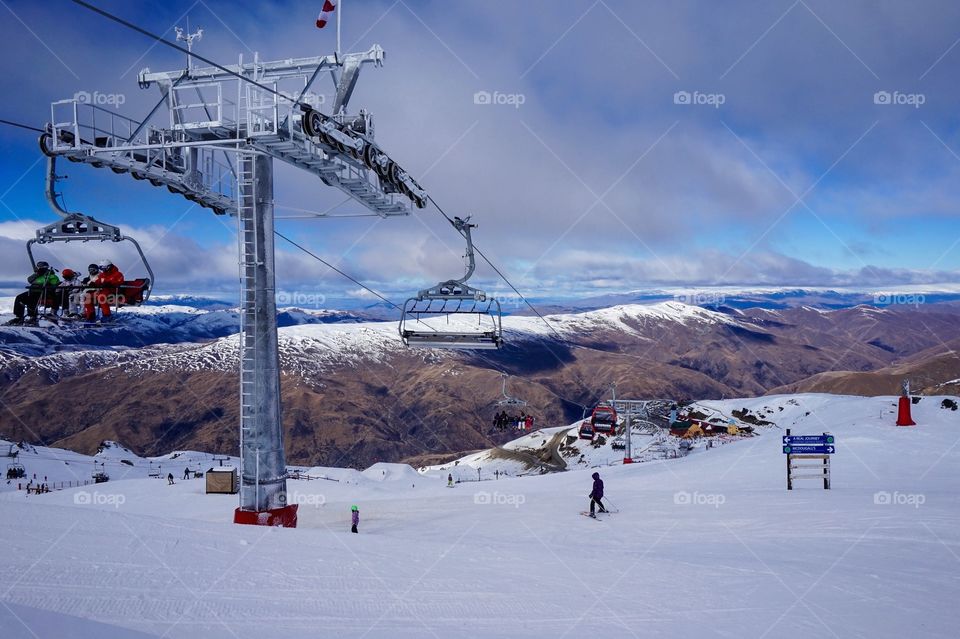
point(188, 38)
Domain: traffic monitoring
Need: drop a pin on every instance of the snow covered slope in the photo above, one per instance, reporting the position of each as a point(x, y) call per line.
point(59, 468)
point(707, 545)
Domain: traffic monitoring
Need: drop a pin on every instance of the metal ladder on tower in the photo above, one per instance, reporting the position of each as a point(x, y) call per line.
point(247, 228)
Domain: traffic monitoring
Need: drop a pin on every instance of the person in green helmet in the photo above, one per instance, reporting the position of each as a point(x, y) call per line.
point(355, 518)
point(42, 289)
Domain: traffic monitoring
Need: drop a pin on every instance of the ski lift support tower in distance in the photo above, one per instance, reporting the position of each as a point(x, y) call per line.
point(77, 227)
point(226, 126)
point(453, 298)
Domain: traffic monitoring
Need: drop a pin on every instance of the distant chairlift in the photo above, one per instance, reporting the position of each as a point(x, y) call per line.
point(586, 431)
point(604, 419)
point(16, 471)
point(455, 300)
point(507, 401)
point(77, 227)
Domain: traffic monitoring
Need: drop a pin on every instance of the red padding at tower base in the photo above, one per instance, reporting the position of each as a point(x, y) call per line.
point(285, 517)
point(903, 414)
point(627, 460)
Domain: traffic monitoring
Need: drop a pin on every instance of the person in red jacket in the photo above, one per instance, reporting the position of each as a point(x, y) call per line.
point(106, 285)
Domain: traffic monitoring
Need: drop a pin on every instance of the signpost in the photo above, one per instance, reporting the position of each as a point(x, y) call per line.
point(809, 448)
point(807, 439)
point(808, 452)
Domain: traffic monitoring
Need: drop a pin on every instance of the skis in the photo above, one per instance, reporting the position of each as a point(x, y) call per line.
point(586, 513)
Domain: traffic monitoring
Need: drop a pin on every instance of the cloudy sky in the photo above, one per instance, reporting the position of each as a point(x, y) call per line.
point(630, 144)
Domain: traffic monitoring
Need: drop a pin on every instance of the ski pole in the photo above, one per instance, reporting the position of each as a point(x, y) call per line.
point(612, 504)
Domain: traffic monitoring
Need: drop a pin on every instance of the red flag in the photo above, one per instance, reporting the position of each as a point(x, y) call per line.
point(329, 6)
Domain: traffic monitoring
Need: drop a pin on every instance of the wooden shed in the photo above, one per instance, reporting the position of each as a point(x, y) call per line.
point(222, 481)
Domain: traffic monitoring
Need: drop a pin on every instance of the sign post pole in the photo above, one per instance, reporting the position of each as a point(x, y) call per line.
point(801, 450)
point(789, 480)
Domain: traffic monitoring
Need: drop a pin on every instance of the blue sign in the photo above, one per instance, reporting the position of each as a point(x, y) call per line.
point(807, 439)
point(814, 449)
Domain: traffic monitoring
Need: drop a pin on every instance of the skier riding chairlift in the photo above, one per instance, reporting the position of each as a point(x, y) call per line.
point(78, 227)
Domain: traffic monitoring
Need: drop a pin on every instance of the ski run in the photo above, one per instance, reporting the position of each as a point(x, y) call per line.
point(710, 544)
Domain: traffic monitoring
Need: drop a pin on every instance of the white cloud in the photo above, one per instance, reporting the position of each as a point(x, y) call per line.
point(599, 99)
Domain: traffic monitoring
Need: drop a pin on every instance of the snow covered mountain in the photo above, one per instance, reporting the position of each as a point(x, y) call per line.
point(164, 376)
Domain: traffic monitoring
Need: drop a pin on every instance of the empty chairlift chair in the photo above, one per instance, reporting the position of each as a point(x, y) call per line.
point(460, 305)
point(507, 401)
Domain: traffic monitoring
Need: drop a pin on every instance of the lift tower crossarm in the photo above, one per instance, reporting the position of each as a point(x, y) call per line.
point(276, 70)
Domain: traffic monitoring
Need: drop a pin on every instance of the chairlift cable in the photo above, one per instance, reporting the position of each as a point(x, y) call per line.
point(279, 94)
point(352, 279)
point(22, 126)
point(493, 365)
point(156, 38)
point(519, 294)
point(502, 276)
point(334, 268)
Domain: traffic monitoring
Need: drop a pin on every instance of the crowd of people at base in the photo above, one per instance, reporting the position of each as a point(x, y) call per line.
point(502, 421)
point(77, 298)
point(38, 489)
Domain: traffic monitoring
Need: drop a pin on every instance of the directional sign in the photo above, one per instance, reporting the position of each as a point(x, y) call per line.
point(815, 449)
point(807, 439)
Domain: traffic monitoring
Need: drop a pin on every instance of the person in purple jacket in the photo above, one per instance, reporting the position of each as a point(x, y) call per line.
point(355, 518)
point(596, 495)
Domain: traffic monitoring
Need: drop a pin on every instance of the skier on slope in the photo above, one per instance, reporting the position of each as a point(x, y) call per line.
point(596, 495)
point(354, 518)
point(450, 480)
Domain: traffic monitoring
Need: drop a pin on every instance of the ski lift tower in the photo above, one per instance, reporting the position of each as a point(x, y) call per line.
point(631, 410)
point(225, 127)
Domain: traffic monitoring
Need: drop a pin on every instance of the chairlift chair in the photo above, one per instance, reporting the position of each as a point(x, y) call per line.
point(453, 299)
point(604, 419)
point(77, 227)
point(16, 471)
point(507, 401)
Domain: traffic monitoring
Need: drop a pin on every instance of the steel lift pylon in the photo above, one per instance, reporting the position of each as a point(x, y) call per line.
point(226, 126)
